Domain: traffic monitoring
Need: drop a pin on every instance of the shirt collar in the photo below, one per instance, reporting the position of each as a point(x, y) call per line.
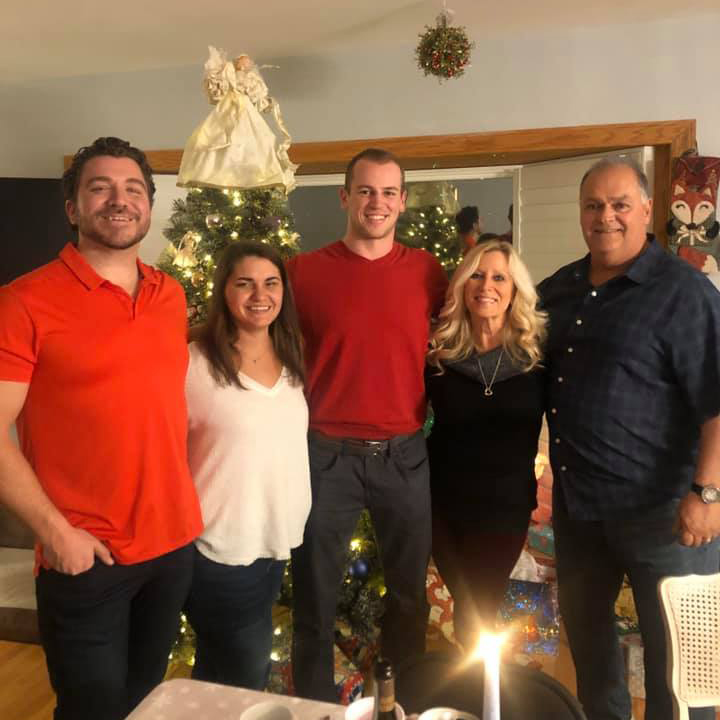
point(84, 272)
point(644, 264)
point(640, 270)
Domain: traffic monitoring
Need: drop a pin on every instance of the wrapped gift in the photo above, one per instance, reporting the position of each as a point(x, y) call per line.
point(540, 537)
point(348, 679)
point(280, 681)
point(543, 474)
point(441, 604)
point(361, 651)
point(529, 614)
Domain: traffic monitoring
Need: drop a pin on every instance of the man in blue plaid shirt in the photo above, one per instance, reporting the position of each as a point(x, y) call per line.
point(633, 362)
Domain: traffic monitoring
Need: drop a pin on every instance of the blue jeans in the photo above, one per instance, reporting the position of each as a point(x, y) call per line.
point(230, 609)
point(592, 558)
point(107, 632)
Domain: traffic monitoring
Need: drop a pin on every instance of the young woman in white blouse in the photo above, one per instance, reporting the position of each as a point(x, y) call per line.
point(247, 449)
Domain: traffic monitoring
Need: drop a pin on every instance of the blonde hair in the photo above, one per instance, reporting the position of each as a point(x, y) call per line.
point(523, 333)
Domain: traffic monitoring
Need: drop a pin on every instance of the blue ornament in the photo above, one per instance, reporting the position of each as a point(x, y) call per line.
point(359, 568)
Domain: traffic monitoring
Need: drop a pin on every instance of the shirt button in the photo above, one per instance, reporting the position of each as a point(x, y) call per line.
point(560, 379)
point(594, 293)
point(570, 349)
point(563, 468)
point(557, 441)
point(553, 411)
point(578, 321)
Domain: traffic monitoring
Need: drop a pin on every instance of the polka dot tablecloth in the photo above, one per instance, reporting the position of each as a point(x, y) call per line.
point(193, 700)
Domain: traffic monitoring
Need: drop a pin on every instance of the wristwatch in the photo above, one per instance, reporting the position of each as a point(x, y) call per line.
point(708, 493)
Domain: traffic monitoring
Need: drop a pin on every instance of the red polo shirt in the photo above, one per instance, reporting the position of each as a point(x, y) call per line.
point(104, 425)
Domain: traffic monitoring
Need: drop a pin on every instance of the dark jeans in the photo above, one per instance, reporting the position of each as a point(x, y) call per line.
point(592, 557)
point(394, 486)
point(230, 609)
point(107, 632)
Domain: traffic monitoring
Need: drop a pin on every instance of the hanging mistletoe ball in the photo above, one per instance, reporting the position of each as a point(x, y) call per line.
point(443, 50)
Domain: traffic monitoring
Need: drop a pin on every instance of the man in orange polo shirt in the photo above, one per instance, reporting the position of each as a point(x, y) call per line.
point(92, 368)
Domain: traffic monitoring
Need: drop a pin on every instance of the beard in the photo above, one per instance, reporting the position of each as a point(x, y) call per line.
point(112, 238)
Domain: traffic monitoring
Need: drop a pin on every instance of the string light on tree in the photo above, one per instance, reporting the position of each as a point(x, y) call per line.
point(431, 228)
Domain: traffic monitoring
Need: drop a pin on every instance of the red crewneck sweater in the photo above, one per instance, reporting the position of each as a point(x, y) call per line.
point(366, 326)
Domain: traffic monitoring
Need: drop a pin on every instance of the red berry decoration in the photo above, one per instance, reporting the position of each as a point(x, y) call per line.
point(443, 50)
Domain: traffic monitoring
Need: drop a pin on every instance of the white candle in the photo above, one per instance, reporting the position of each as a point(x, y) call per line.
point(489, 650)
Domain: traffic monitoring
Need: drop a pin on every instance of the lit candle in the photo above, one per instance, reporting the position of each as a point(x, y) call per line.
point(488, 649)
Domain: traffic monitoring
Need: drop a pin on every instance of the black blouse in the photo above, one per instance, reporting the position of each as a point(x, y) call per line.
point(482, 448)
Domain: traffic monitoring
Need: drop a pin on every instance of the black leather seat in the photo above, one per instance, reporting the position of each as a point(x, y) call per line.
point(441, 680)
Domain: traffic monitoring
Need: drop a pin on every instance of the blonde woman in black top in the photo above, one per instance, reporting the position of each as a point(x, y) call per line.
point(484, 380)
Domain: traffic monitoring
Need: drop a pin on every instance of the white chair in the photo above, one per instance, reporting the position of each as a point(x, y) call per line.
point(691, 611)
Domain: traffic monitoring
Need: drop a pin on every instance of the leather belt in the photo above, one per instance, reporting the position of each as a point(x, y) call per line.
point(357, 446)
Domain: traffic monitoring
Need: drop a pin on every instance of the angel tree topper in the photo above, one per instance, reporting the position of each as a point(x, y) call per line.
point(235, 147)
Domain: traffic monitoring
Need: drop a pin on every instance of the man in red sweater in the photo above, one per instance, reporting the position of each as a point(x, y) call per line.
point(365, 304)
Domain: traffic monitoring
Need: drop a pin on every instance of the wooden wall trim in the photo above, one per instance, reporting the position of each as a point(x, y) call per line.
point(510, 147)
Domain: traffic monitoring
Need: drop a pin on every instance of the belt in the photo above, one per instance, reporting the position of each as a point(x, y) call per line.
point(358, 446)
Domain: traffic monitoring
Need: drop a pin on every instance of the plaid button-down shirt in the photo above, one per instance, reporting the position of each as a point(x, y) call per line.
point(634, 370)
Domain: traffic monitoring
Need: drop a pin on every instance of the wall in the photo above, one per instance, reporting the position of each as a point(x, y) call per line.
point(657, 70)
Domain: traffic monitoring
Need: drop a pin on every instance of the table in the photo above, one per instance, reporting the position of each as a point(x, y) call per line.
point(194, 700)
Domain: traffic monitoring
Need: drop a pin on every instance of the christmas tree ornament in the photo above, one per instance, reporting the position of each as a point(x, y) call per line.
point(213, 221)
point(444, 50)
point(359, 568)
point(235, 147)
point(183, 256)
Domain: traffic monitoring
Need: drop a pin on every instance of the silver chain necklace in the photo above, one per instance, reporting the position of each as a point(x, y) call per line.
point(488, 385)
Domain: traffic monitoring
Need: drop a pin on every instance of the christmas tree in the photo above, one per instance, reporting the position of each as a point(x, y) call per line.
point(429, 221)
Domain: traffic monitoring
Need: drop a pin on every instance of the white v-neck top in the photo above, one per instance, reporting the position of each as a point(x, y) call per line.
point(248, 455)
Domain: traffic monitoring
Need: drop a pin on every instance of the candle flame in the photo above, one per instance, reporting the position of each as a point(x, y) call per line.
point(488, 646)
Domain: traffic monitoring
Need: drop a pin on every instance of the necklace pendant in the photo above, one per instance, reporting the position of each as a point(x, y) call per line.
point(488, 392)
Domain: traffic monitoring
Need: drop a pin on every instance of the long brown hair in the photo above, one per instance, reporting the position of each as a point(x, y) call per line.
point(218, 333)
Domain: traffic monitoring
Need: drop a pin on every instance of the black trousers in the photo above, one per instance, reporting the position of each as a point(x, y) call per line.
point(107, 632)
point(475, 563)
point(394, 486)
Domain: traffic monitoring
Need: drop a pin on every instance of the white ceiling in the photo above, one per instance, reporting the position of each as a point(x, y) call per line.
point(57, 38)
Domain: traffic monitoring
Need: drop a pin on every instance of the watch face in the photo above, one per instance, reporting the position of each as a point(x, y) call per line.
point(710, 494)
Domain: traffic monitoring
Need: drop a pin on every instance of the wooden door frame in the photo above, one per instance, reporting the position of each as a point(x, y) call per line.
point(510, 147)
